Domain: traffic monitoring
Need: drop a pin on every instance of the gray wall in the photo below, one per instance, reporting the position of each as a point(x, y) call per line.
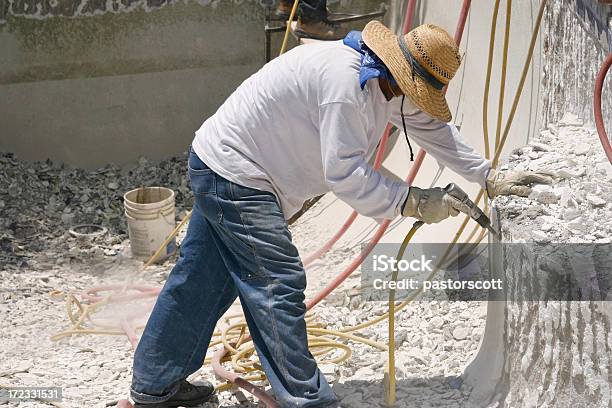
point(577, 39)
point(87, 85)
point(94, 89)
point(466, 94)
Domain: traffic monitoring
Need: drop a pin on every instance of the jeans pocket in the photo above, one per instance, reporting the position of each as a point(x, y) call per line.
point(201, 177)
point(247, 220)
point(196, 165)
point(203, 182)
point(204, 187)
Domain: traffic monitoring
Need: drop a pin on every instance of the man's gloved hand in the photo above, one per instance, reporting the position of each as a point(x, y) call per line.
point(514, 182)
point(431, 205)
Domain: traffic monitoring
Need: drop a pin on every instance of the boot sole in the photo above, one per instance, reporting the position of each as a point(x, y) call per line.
point(172, 404)
point(302, 34)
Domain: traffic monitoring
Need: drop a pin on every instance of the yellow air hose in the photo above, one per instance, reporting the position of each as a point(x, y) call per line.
point(502, 81)
point(390, 369)
point(485, 100)
point(288, 29)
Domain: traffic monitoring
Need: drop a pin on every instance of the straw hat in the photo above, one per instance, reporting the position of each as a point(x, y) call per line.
point(422, 62)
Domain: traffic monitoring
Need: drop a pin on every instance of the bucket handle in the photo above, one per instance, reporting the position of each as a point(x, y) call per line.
point(165, 217)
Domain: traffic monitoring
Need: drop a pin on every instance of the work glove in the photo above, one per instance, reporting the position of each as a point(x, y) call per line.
point(431, 205)
point(514, 182)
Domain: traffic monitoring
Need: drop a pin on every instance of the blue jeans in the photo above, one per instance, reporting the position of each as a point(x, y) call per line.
point(237, 245)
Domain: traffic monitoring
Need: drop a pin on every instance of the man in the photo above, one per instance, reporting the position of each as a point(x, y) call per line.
point(304, 125)
point(314, 21)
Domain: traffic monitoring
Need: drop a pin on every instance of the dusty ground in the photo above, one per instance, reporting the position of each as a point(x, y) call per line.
point(435, 339)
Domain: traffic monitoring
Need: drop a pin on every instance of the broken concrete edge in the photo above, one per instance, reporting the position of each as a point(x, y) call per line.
point(536, 352)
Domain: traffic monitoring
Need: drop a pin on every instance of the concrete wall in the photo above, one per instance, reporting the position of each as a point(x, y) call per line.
point(91, 82)
point(577, 37)
point(109, 87)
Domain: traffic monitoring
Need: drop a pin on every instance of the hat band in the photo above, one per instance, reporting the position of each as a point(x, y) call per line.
point(417, 67)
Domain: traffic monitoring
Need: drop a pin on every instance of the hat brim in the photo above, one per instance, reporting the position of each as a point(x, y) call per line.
point(385, 45)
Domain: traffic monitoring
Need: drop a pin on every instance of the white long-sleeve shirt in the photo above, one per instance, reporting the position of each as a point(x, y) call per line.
point(301, 126)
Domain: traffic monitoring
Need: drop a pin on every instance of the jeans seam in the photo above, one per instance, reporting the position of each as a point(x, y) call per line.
point(283, 360)
point(246, 230)
point(217, 203)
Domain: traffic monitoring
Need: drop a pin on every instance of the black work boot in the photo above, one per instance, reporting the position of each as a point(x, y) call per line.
point(188, 395)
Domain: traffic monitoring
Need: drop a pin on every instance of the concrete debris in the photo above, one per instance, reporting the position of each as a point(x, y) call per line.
point(595, 200)
point(544, 194)
point(539, 147)
point(570, 119)
point(577, 208)
point(537, 334)
point(460, 333)
point(40, 201)
point(95, 369)
point(582, 149)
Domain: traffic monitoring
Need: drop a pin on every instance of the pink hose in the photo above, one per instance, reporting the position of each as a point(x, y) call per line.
point(465, 9)
point(240, 382)
point(144, 291)
point(129, 332)
point(329, 244)
point(409, 16)
point(601, 129)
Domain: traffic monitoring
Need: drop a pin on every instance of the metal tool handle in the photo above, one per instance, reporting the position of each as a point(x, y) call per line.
point(475, 212)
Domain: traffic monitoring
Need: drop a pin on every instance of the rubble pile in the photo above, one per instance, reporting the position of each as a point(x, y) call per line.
point(40, 201)
point(576, 208)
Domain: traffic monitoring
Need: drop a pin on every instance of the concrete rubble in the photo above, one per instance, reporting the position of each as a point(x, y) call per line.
point(576, 208)
point(40, 201)
point(435, 341)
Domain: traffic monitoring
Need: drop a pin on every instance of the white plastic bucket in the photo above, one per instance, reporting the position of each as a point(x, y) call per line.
point(150, 217)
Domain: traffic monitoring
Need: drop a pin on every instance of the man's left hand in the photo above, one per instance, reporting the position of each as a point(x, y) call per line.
point(514, 182)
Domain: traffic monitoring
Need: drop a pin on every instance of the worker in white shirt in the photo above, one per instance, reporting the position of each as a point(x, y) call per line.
point(303, 125)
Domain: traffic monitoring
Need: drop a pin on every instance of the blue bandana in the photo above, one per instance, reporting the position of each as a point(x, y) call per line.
point(371, 65)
